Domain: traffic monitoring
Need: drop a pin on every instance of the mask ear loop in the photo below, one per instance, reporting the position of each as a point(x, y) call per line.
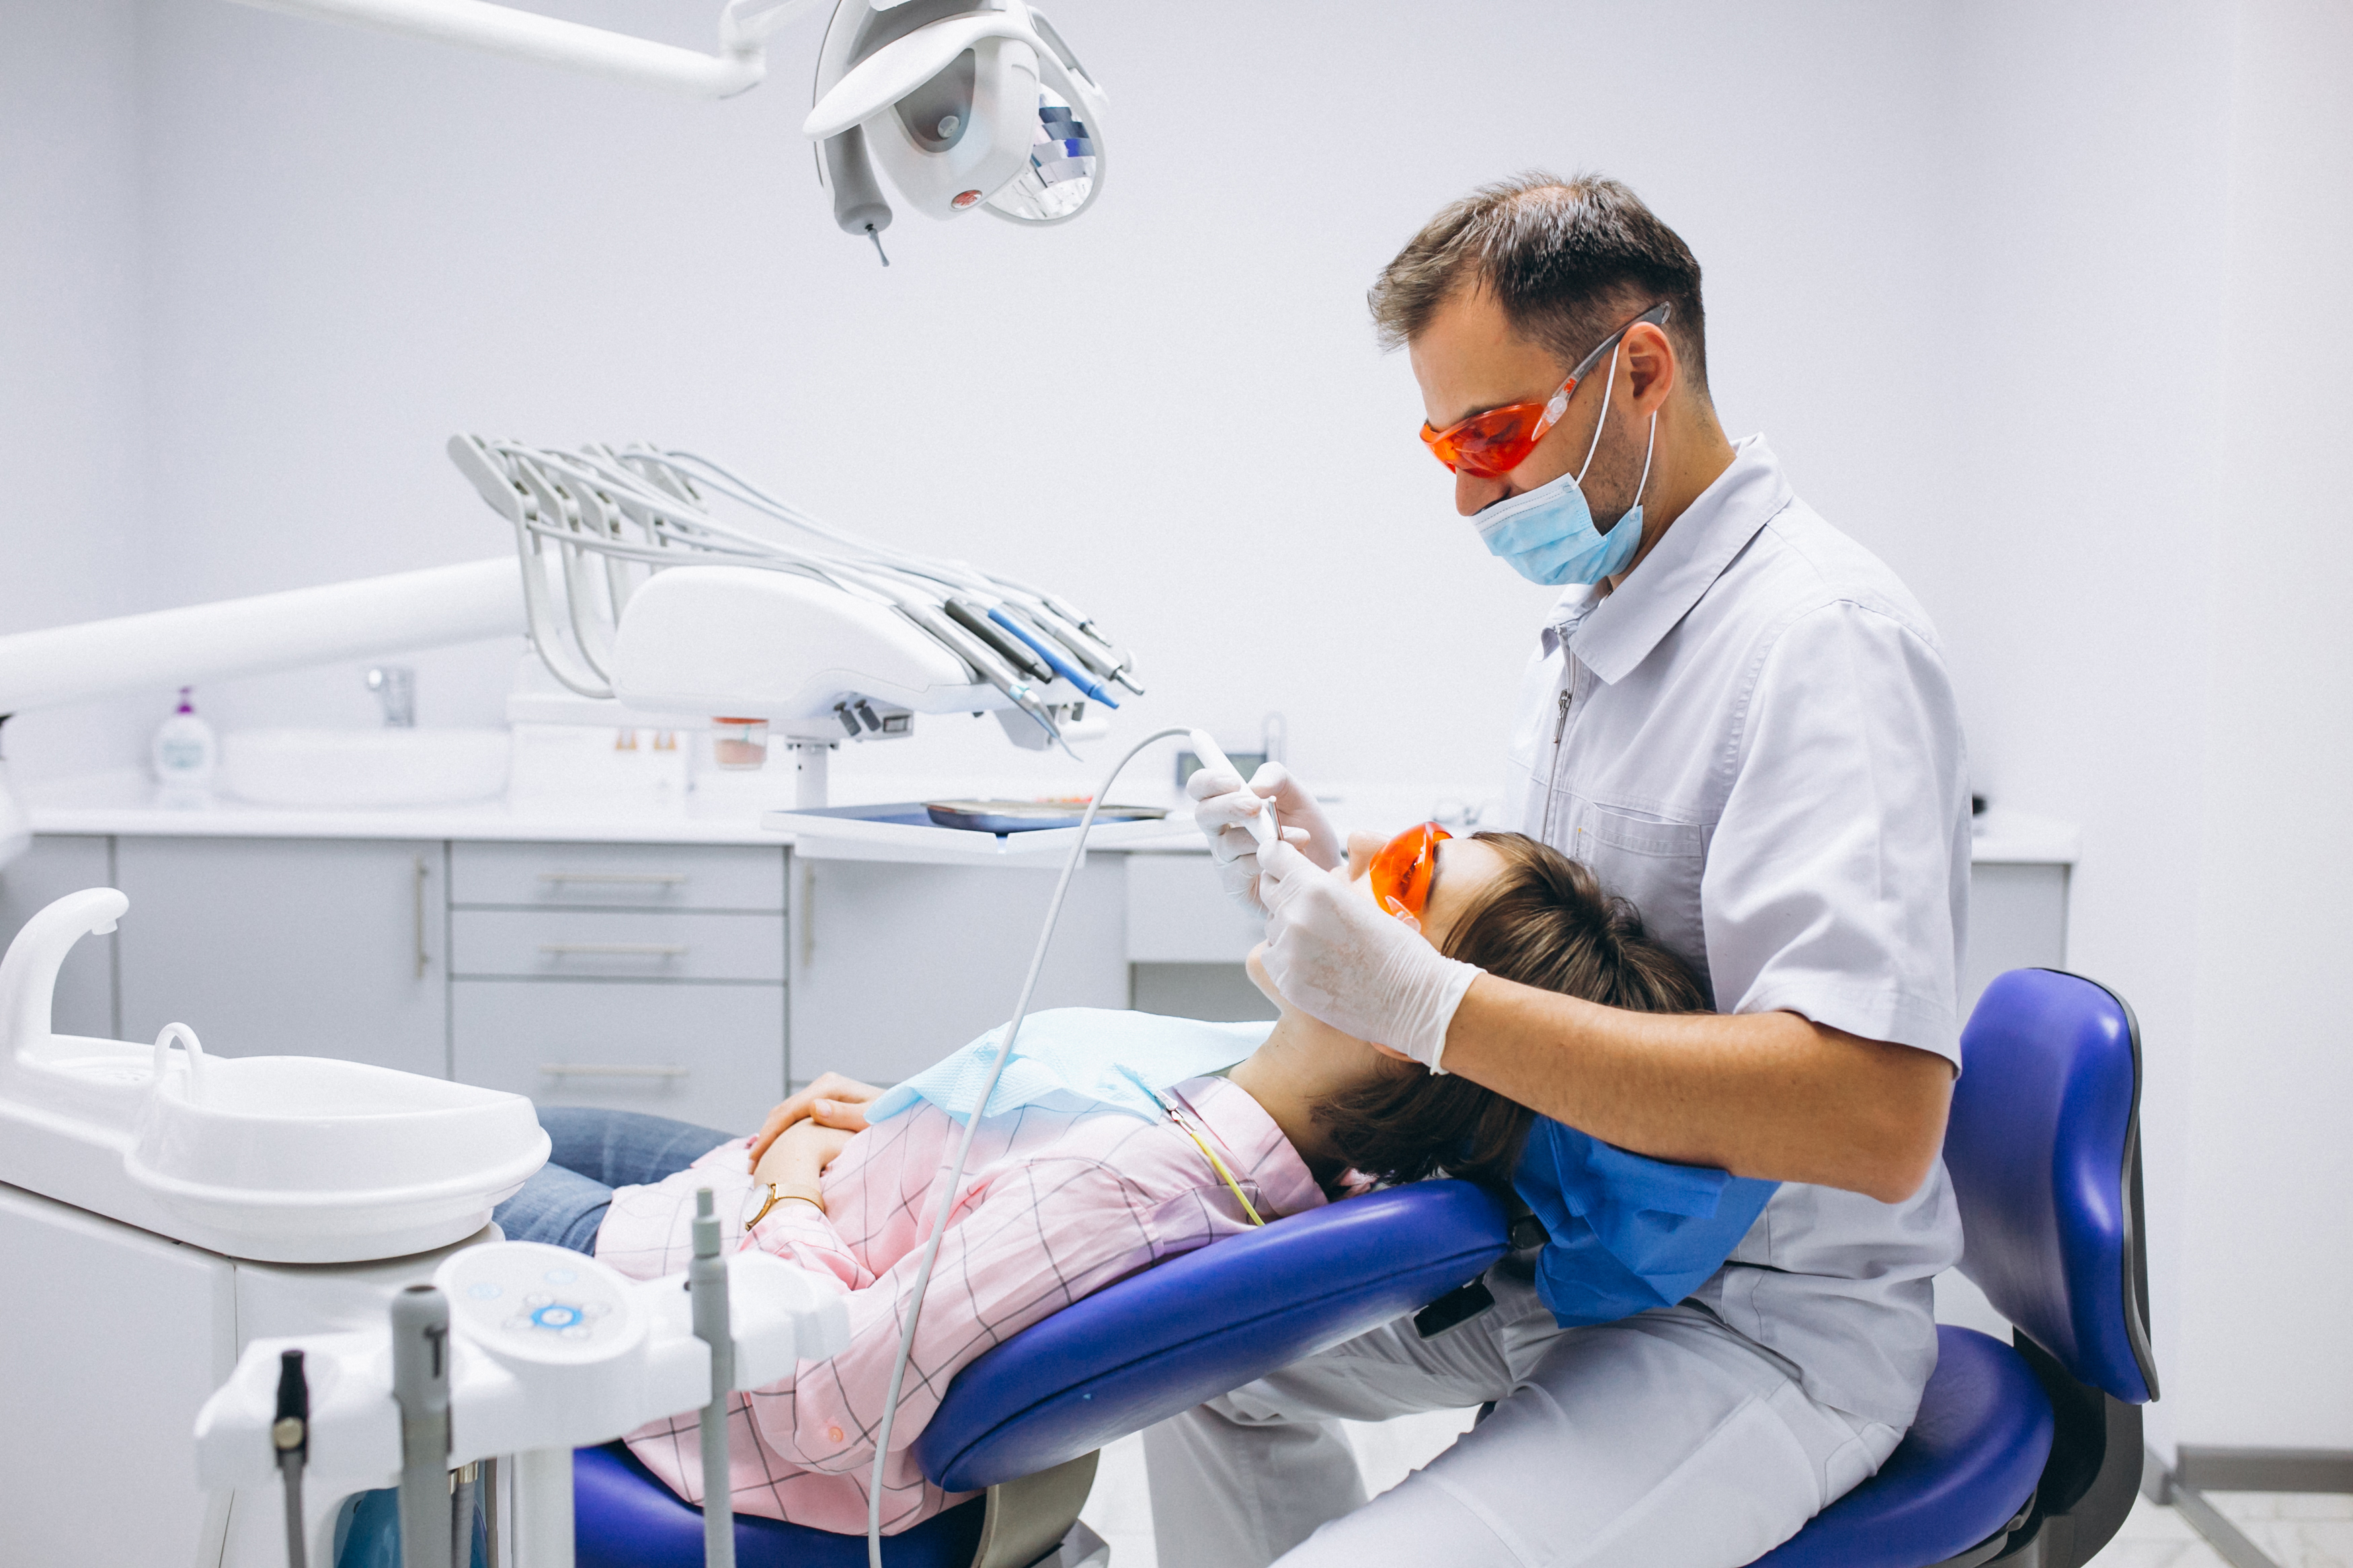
point(1600, 424)
point(1647, 448)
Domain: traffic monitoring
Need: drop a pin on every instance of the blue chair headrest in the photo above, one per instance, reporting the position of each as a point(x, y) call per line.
point(1203, 1324)
point(2043, 1148)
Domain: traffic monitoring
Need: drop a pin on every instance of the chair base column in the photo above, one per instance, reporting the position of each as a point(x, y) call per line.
point(1027, 1519)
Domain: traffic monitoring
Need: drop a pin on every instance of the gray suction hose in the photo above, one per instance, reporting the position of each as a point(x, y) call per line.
point(421, 1386)
point(706, 1286)
point(964, 1151)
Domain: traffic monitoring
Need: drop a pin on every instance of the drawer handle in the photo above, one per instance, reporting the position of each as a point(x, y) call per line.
point(594, 1070)
point(612, 949)
point(635, 879)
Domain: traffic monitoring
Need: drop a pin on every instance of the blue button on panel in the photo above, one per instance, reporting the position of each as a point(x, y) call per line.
point(559, 1277)
point(557, 1315)
point(485, 1291)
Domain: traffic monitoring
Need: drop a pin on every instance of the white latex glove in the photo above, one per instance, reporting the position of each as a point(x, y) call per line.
point(1332, 954)
point(1225, 802)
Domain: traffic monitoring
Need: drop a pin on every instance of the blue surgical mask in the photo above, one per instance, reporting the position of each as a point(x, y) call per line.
point(1548, 533)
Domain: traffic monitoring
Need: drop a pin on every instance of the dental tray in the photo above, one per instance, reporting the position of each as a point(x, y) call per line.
point(906, 831)
point(1028, 815)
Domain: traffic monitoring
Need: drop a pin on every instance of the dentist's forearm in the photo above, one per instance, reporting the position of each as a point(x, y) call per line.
point(1772, 1095)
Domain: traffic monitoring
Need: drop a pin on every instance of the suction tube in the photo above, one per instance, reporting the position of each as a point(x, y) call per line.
point(421, 1386)
point(964, 1150)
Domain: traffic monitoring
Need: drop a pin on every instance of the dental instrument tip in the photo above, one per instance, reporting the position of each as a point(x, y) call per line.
point(874, 235)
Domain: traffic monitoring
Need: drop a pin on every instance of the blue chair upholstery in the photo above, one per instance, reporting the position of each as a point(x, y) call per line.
point(1204, 1323)
point(2037, 1447)
point(1972, 1456)
point(623, 1517)
point(1151, 1345)
point(2045, 1154)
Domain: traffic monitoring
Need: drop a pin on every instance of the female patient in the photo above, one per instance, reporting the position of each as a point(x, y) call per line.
point(1058, 1203)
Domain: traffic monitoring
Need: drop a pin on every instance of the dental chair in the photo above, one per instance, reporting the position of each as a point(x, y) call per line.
point(1023, 1423)
point(2030, 1453)
point(2027, 1454)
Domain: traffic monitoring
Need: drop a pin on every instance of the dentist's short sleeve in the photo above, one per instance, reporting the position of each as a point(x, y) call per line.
point(1837, 877)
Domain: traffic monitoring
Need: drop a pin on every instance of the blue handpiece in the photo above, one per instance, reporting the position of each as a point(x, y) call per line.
point(1061, 667)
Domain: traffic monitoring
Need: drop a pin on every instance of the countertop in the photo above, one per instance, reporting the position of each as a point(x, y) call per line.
point(123, 803)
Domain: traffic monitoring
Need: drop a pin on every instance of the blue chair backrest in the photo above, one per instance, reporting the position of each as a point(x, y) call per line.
point(1204, 1323)
point(2043, 1148)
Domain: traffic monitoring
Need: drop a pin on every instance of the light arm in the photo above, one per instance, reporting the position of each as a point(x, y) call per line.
point(572, 46)
point(249, 636)
point(267, 632)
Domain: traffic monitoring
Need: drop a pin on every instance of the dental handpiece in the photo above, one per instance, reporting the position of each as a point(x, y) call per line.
point(1263, 827)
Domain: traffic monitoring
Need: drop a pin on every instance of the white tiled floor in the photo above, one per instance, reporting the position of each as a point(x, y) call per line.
point(2297, 1530)
point(2155, 1537)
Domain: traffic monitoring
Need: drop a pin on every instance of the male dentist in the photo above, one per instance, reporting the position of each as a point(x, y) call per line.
point(1739, 718)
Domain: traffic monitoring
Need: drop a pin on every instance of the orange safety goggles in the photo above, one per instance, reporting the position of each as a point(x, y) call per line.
point(1493, 444)
point(1401, 873)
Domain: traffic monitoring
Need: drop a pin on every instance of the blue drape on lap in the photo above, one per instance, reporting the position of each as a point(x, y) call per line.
point(1629, 1233)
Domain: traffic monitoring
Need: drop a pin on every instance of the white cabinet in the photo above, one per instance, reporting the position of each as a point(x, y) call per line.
point(895, 965)
point(82, 1297)
point(616, 944)
point(740, 877)
point(634, 976)
point(51, 868)
point(712, 1054)
point(2017, 919)
point(294, 946)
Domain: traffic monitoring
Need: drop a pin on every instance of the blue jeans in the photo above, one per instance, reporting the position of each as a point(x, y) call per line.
point(594, 1151)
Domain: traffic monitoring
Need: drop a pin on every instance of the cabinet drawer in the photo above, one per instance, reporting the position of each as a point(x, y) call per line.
point(626, 944)
point(1178, 913)
point(620, 876)
point(712, 1054)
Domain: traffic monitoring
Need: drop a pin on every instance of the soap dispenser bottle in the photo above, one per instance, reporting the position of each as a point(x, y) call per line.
point(184, 752)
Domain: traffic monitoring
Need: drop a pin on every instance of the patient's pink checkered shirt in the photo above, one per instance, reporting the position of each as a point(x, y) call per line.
point(1055, 1205)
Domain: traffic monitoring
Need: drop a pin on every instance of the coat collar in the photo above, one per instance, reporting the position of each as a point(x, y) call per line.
point(1611, 634)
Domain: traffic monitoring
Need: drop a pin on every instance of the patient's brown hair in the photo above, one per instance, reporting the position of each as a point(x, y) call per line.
point(1544, 922)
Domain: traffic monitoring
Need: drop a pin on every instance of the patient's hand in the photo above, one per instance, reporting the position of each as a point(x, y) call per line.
point(797, 1157)
point(832, 1100)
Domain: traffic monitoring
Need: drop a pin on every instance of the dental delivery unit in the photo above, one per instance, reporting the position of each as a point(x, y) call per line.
point(461, 1369)
point(317, 1231)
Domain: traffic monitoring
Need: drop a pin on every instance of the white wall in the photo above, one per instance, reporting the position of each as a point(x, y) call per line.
point(1172, 410)
point(2263, 1307)
point(70, 426)
point(2089, 186)
point(2002, 281)
point(2142, 618)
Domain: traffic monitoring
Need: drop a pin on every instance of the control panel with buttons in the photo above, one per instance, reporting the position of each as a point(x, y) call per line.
point(527, 1301)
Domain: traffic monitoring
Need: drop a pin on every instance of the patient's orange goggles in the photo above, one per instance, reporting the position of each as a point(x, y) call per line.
point(1493, 444)
point(1401, 873)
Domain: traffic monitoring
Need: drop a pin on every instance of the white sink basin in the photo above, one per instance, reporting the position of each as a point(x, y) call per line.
point(363, 767)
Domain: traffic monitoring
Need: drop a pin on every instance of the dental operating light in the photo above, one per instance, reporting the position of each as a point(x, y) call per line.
point(963, 103)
